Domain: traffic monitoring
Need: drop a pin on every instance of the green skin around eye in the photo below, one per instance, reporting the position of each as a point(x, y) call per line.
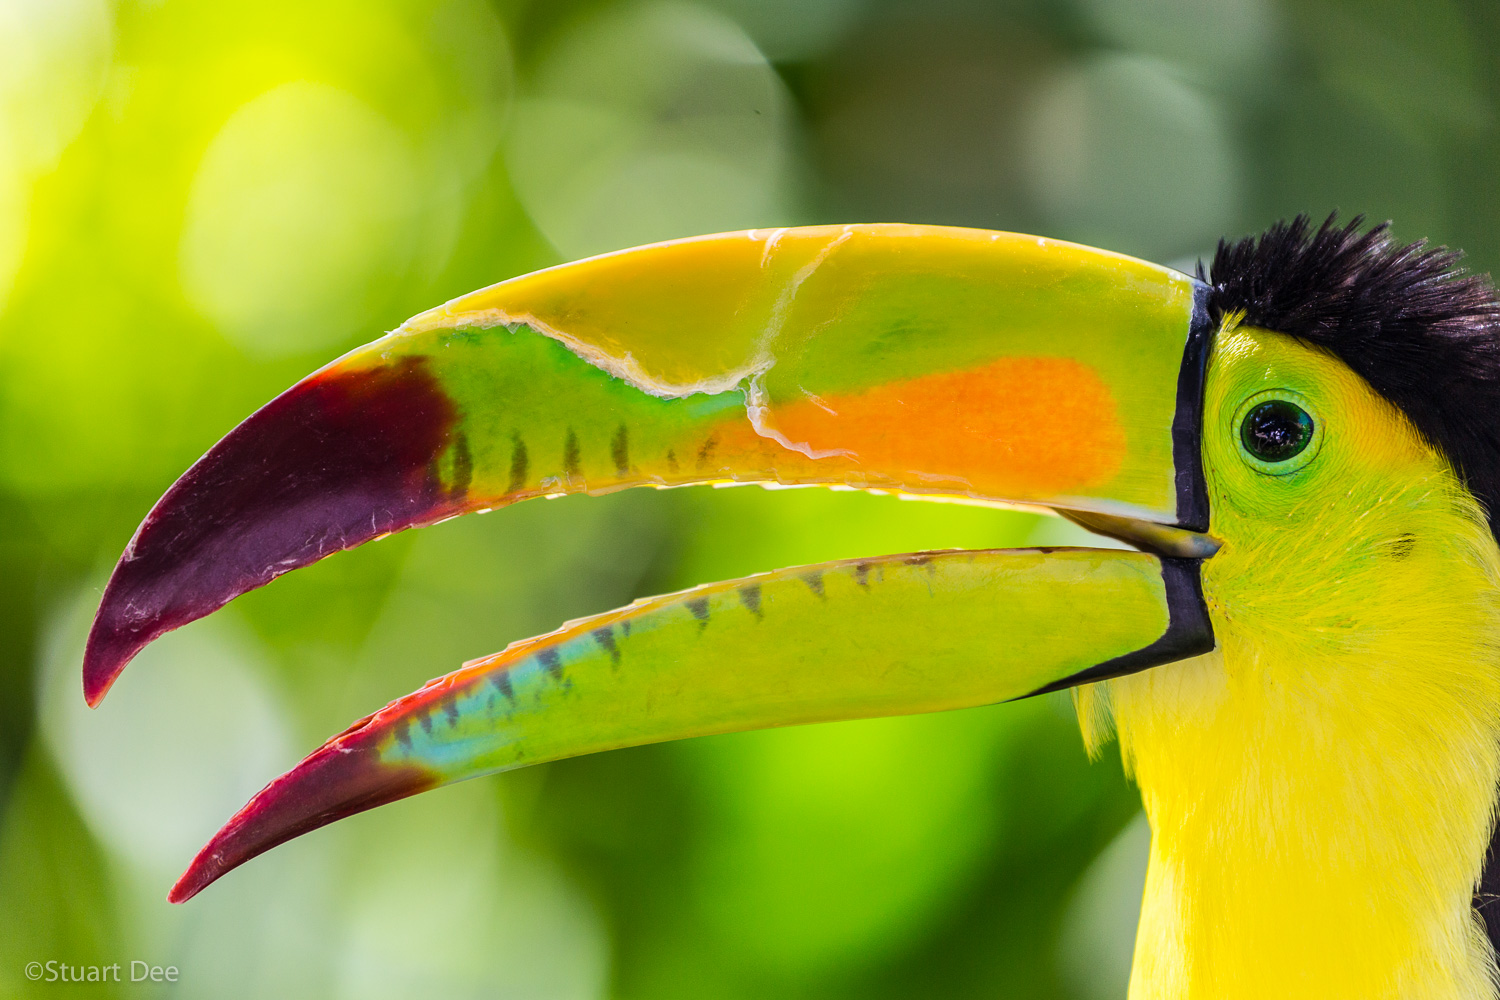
point(1283, 404)
point(1249, 368)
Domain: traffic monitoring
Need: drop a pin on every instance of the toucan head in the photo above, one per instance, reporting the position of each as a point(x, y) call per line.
point(1287, 426)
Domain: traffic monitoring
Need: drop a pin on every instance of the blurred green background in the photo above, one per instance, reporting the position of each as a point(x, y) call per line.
point(202, 201)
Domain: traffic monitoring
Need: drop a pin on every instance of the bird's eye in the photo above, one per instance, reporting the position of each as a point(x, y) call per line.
point(1276, 432)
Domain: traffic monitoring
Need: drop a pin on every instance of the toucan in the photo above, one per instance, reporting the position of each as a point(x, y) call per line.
point(1299, 652)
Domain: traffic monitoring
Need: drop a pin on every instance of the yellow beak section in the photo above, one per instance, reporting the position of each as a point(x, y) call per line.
point(847, 640)
point(915, 358)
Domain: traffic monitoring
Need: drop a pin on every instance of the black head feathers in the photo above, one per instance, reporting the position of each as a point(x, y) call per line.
point(1408, 319)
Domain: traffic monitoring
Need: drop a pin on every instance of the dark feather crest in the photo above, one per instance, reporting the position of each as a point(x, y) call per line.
point(1423, 331)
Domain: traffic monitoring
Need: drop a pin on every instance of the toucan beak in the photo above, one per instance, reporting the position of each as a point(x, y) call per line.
point(928, 360)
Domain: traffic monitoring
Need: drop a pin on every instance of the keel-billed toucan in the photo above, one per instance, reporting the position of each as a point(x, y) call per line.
point(1301, 657)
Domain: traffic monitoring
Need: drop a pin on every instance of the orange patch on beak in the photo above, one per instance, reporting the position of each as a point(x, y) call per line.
point(1017, 427)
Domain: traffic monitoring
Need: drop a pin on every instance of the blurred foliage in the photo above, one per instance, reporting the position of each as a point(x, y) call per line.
point(201, 202)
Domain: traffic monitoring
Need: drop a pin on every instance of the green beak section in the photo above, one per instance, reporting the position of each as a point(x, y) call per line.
point(845, 640)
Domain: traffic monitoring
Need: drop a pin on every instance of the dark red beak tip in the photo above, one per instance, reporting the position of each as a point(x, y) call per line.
point(340, 778)
point(189, 885)
point(336, 460)
point(108, 651)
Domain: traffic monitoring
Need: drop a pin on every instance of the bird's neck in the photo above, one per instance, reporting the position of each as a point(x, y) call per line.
point(1318, 824)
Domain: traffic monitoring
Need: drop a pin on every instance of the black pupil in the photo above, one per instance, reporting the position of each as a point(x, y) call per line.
point(1276, 430)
